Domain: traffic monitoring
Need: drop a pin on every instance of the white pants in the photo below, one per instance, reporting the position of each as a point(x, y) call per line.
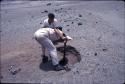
point(48, 47)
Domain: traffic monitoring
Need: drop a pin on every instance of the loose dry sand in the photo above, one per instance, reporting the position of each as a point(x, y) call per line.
point(97, 28)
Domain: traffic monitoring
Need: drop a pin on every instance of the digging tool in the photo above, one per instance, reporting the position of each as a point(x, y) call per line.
point(64, 60)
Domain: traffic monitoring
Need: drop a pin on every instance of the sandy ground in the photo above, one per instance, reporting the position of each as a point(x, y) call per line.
point(97, 28)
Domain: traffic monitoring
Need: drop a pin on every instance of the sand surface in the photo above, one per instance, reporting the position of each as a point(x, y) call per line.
point(97, 28)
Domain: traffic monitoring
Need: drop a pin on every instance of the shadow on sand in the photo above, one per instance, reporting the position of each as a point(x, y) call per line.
point(71, 53)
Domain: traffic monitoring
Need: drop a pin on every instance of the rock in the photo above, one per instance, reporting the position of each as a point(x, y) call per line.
point(67, 25)
point(99, 38)
point(95, 54)
point(61, 8)
point(72, 22)
point(68, 30)
point(87, 54)
point(45, 11)
point(65, 21)
point(42, 12)
point(104, 49)
point(76, 72)
point(15, 71)
point(80, 15)
point(80, 23)
point(48, 4)
point(96, 22)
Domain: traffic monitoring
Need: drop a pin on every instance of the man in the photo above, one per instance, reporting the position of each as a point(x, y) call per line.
point(51, 22)
point(46, 36)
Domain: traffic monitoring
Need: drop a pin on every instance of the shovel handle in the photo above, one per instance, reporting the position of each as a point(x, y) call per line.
point(65, 49)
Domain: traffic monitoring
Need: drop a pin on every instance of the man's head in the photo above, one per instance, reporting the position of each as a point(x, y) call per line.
point(51, 17)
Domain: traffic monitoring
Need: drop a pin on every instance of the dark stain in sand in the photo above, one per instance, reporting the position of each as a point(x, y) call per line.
point(71, 53)
point(46, 66)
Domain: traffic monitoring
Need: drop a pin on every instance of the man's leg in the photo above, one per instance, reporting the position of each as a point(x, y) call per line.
point(53, 53)
point(51, 50)
point(45, 55)
point(44, 51)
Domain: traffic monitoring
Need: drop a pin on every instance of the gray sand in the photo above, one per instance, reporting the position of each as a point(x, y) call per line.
point(97, 28)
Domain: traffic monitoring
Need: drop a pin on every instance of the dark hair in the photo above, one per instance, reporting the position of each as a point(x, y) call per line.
point(51, 15)
point(59, 27)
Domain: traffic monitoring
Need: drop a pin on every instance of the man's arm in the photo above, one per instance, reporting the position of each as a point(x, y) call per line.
point(44, 24)
point(60, 33)
point(63, 37)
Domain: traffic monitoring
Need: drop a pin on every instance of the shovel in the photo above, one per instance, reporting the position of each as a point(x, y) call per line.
point(64, 60)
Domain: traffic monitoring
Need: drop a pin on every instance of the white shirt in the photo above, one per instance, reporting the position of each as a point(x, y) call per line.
point(47, 32)
point(52, 25)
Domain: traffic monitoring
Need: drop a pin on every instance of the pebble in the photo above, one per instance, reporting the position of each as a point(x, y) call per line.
point(68, 30)
point(65, 21)
point(95, 54)
point(80, 15)
point(79, 23)
point(48, 4)
point(15, 71)
point(46, 11)
point(61, 8)
point(104, 49)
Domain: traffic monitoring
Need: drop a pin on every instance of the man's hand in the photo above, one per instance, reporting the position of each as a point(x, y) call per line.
point(65, 39)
